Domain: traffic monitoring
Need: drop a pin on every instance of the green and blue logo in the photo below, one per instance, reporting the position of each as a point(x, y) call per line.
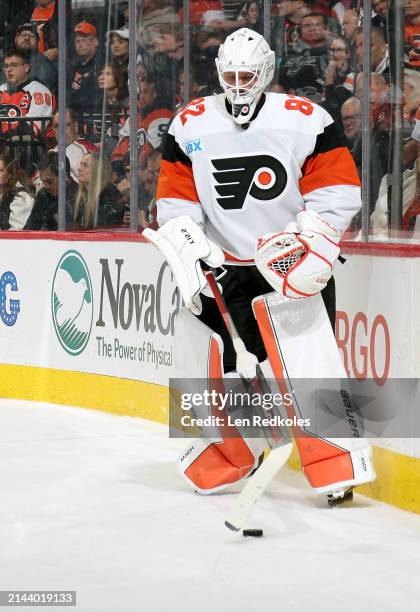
point(72, 303)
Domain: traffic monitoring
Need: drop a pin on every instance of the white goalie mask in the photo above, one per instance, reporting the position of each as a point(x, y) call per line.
point(245, 65)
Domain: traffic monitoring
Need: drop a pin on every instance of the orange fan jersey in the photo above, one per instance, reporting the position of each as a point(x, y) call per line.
point(151, 128)
point(30, 100)
point(242, 183)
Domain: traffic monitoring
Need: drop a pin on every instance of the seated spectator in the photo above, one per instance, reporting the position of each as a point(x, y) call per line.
point(98, 202)
point(350, 25)
point(304, 69)
point(16, 196)
point(45, 17)
point(42, 69)
point(350, 29)
point(112, 110)
point(338, 10)
point(207, 43)
point(351, 119)
point(169, 41)
point(411, 99)
point(381, 18)
point(166, 59)
point(412, 34)
point(153, 117)
point(113, 86)
point(154, 13)
point(44, 214)
point(250, 13)
point(380, 112)
point(76, 147)
point(118, 45)
point(148, 174)
point(84, 92)
point(339, 76)
point(324, 7)
point(22, 97)
point(150, 180)
point(379, 60)
point(200, 83)
point(286, 23)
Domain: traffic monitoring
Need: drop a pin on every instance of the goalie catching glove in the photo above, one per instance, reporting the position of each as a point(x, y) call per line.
point(298, 262)
point(183, 244)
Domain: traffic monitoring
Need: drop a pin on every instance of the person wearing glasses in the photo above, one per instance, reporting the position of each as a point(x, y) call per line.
point(339, 76)
point(303, 71)
point(42, 69)
point(22, 97)
point(351, 120)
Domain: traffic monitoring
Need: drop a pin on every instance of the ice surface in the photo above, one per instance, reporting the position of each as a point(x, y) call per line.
point(92, 502)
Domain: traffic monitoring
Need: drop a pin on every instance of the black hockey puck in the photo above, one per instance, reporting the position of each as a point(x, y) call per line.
point(256, 533)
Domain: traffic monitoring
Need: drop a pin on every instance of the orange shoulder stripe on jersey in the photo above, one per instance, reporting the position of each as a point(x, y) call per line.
point(334, 167)
point(176, 180)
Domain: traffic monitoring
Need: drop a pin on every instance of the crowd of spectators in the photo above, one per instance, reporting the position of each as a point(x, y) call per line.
point(319, 55)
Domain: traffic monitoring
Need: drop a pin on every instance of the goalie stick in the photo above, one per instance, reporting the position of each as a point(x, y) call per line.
point(281, 443)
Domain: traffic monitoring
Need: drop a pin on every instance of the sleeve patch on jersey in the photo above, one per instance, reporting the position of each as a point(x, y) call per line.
point(176, 180)
point(335, 167)
point(172, 152)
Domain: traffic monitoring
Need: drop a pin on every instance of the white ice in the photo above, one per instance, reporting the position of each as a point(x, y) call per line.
point(92, 502)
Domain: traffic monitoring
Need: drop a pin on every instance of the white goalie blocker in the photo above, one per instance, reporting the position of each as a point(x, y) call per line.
point(303, 354)
point(221, 456)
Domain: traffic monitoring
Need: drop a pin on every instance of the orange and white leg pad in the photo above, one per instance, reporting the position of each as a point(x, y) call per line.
point(210, 466)
point(300, 345)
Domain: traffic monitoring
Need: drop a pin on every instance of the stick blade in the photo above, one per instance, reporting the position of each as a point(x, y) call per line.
point(256, 486)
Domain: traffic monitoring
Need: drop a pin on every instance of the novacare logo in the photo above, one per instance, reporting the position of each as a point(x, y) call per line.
point(72, 303)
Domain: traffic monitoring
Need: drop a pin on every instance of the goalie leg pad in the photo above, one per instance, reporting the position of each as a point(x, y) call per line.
point(299, 340)
point(210, 466)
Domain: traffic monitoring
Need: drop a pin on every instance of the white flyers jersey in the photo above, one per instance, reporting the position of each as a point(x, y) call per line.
point(240, 183)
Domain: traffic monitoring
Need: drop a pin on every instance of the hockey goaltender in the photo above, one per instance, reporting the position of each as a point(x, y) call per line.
point(262, 184)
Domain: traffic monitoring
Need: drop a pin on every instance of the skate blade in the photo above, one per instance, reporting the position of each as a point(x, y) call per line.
point(336, 501)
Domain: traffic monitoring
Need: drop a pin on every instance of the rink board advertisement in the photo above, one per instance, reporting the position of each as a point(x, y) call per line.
point(89, 320)
point(378, 324)
point(102, 308)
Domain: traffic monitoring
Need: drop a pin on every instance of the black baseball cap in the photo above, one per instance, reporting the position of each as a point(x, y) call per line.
point(28, 26)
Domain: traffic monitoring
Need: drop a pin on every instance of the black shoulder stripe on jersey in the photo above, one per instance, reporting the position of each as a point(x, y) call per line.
point(172, 152)
point(328, 140)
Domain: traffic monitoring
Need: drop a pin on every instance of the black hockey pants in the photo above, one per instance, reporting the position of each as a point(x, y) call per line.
point(240, 285)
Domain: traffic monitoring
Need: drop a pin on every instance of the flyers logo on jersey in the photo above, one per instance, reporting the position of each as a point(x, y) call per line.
point(10, 110)
point(261, 176)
